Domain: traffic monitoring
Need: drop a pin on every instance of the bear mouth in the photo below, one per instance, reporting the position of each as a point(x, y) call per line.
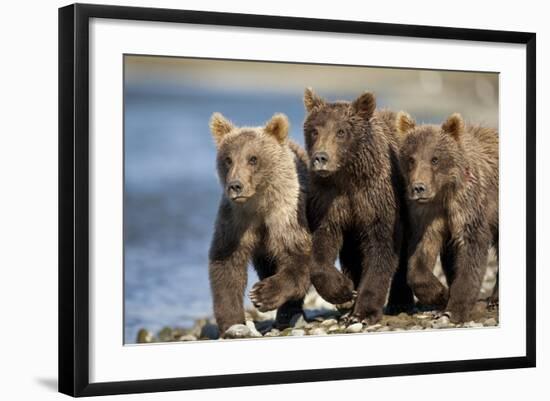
point(239, 199)
point(322, 172)
point(422, 200)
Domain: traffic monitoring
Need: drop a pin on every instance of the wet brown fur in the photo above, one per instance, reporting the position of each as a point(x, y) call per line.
point(355, 204)
point(268, 228)
point(458, 219)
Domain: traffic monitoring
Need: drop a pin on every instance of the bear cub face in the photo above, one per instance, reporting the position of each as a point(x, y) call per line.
point(430, 156)
point(330, 133)
point(246, 156)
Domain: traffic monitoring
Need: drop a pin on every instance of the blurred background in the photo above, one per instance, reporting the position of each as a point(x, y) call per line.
point(171, 188)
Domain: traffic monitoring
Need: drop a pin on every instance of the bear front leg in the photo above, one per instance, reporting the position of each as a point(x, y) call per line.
point(420, 277)
point(228, 278)
point(471, 263)
point(330, 283)
point(289, 283)
point(380, 263)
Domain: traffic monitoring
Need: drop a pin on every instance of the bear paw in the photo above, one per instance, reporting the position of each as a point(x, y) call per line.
point(267, 295)
point(333, 286)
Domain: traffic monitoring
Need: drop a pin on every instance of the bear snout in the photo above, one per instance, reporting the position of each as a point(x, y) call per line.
point(420, 192)
point(235, 189)
point(320, 161)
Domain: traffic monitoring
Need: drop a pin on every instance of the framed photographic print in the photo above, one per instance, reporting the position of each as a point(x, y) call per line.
point(238, 185)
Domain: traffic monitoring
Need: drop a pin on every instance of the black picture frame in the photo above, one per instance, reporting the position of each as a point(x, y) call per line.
point(74, 198)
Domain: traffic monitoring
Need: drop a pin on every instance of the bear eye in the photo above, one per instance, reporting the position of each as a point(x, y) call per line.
point(411, 160)
point(435, 160)
point(314, 133)
point(253, 161)
point(340, 133)
point(228, 161)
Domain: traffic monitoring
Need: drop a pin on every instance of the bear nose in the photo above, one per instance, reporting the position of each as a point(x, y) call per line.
point(320, 159)
point(235, 186)
point(419, 188)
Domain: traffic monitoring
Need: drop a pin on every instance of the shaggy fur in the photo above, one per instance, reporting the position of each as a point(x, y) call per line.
point(452, 182)
point(261, 219)
point(355, 204)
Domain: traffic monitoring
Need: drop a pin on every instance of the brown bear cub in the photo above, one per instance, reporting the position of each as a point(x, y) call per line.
point(261, 219)
point(355, 205)
point(451, 173)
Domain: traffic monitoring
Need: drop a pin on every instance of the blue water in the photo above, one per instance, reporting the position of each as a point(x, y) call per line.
point(172, 193)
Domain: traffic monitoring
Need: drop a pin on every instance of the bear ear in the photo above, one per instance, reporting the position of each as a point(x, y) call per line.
point(404, 123)
point(219, 126)
point(454, 126)
point(311, 100)
point(277, 127)
point(365, 105)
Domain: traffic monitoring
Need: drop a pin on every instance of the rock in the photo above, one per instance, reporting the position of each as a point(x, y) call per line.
point(297, 332)
point(426, 323)
point(238, 331)
point(491, 322)
point(333, 328)
point(373, 327)
point(383, 328)
point(396, 321)
point(166, 334)
point(317, 331)
point(441, 323)
point(416, 327)
point(273, 333)
point(144, 336)
point(210, 331)
point(252, 327)
point(398, 329)
point(187, 337)
point(472, 324)
point(354, 328)
point(329, 323)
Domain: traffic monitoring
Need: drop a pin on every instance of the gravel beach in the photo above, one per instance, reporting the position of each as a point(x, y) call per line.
point(322, 318)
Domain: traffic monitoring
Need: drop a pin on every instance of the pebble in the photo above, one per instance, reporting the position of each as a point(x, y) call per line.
point(210, 331)
point(383, 328)
point(144, 336)
point(491, 322)
point(333, 328)
point(238, 331)
point(298, 332)
point(252, 327)
point(166, 334)
point(187, 337)
point(273, 333)
point(473, 324)
point(441, 323)
point(396, 322)
point(329, 322)
point(354, 328)
point(416, 327)
point(317, 331)
point(286, 332)
point(373, 327)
